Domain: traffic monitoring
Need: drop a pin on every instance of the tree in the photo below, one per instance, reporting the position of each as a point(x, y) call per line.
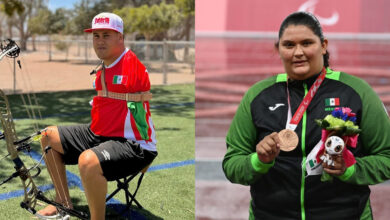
point(187, 8)
point(150, 21)
point(118, 4)
point(153, 22)
point(83, 14)
point(21, 17)
point(47, 23)
point(9, 7)
point(138, 3)
point(58, 20)
point(2, 18)
point(40, 24)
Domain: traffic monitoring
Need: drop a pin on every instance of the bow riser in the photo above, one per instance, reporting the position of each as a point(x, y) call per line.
point(31, 193)
point(8, 126)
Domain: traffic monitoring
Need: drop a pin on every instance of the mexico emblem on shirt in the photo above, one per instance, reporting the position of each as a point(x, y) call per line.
point(119, 79)
point(332, 102)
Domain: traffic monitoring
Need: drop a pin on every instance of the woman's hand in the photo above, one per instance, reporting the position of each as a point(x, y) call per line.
point(268, 148)
point(339, 166)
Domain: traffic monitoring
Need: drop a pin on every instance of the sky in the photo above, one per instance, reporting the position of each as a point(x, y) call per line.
point(68, 4)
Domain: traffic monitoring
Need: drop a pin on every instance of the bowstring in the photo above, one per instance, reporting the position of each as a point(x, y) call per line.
point(25, 74)
point(26, 83)
point(30, 84)
point(27, 107)
point(59, 215)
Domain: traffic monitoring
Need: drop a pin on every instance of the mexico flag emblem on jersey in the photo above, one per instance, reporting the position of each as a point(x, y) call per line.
point(119, 79)
point(332, 102)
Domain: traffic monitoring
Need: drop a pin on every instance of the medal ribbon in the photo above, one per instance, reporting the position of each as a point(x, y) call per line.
point(292, 122)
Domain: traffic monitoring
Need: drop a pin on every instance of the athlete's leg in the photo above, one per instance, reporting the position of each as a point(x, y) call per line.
point(95, 184)
point(56, 168)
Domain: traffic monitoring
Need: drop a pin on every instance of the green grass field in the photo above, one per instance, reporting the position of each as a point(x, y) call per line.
point(165, 194)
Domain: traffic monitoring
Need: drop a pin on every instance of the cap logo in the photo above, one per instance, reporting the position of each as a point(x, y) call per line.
point(102, 20)
point(107, 21)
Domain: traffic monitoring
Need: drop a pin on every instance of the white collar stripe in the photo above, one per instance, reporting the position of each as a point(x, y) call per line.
point(117, 60)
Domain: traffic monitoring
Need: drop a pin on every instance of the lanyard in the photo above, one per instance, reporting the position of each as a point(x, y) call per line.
point(292, 122)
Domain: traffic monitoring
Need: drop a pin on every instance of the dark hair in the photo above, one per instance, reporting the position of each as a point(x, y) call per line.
point(307, 19)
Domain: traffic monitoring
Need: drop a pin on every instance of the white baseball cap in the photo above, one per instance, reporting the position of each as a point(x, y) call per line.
point(106, 20)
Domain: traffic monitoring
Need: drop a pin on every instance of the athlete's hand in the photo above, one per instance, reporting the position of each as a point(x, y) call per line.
point(339, 166)
point(268, 148)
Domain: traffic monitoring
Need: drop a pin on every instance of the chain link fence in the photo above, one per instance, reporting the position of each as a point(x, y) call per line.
point(159, 56)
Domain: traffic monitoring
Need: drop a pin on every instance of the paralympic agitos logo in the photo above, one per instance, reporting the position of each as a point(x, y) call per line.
point(310, 6)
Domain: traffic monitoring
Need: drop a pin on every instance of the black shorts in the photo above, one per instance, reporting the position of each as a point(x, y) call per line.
point(118, 157)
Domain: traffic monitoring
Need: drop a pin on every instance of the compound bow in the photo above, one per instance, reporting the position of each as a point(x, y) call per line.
point(32, 193)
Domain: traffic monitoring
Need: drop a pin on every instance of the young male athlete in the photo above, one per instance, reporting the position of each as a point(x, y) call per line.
point(120, 140)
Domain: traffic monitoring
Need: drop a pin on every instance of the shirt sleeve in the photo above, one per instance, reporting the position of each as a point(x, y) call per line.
point(138, 74)
point(241, 164)
point(374, 166)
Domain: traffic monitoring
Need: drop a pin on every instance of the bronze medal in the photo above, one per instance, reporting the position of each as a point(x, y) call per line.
point(289, 140)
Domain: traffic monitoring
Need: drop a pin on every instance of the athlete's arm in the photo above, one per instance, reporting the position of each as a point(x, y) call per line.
point(374, 167)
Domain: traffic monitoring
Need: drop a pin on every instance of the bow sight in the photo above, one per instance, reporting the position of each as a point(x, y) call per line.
point(9, 48)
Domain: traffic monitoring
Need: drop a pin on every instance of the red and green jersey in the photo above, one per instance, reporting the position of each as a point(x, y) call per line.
point(119, 118)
